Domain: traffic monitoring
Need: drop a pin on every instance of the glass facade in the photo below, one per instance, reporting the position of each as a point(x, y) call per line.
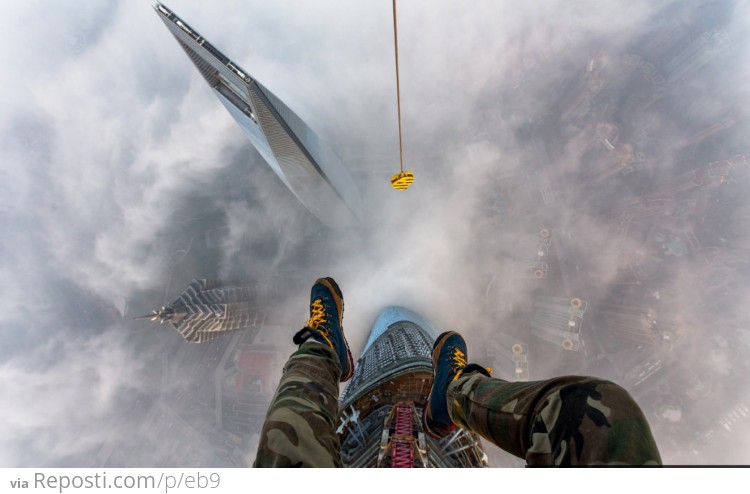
point(381, 407)
point(315, 175)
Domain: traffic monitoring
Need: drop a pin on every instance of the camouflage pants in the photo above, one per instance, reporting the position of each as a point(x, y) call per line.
point(569, 420)
point(563, 421)
point(300, 427)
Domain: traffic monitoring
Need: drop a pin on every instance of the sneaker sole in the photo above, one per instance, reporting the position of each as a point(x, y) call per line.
point(424, 422)
point(333, 287)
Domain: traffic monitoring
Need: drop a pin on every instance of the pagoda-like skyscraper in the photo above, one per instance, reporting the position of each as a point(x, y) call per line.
point(314, 174)
point(208, 309)
point(381, 407)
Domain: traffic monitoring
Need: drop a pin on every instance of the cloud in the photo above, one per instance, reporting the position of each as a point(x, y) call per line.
point(123, 177)
point(66, 396)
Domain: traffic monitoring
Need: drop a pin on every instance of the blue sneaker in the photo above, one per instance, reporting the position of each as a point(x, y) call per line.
point(324, 325)
point(448, 364)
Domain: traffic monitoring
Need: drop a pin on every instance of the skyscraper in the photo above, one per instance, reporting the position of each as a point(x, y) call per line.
point(208, 309)
point(244, 384)
point(313, 173)
point(381, 408)
point(509, 357)
point(558, 320)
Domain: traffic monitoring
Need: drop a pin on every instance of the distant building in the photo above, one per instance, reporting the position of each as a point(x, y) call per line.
point(671, 242)
point(646, 369)
point(508, 356)
point(382, 405)
point(209, 309)
point(604, 163)
point(578, 103)
point(303, 163)
point(696, 55)
point(635, 325)
point(727, 121)
point(558, 320)
point(539, 265)
point(635, 266)
point(707, 176)
point(245, 381)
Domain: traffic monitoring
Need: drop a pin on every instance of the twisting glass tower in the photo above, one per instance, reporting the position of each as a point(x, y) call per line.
point(314, 174)
point(381, 408)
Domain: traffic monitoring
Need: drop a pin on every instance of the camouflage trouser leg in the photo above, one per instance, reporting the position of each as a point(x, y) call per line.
point(300, 428)
point(568, 420)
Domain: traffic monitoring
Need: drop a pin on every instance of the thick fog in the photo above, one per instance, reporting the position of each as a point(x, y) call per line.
point(619, 128)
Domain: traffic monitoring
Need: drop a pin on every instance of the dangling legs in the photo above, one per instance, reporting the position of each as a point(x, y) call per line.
point(569, 420)
point(300, 427)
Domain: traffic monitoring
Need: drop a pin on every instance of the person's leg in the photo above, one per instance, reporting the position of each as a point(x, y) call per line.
point(300, 427)
point(568, 420)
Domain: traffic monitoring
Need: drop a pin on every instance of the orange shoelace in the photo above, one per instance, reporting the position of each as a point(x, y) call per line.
point(318, 319)
point(459, 362)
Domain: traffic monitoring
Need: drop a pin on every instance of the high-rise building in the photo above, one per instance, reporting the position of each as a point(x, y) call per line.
point(696, 55)
point(727, 121)
point(558, 320)
point(381, 407)
point(632, 325)
point(578, 102)
point(313, 173)
point(707, 176)
point(509, 357)
point(208, 309)
point(244, 384)
point(602, 164)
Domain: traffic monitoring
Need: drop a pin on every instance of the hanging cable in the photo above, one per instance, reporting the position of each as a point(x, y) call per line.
point(401, 180)
point(398, 90)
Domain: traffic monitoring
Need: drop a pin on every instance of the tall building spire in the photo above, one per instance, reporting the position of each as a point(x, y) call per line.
point(165, 314)
point(304, 163)
point(207, 310)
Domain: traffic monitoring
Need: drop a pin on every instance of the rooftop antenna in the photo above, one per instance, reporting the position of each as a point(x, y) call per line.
point(403, 179)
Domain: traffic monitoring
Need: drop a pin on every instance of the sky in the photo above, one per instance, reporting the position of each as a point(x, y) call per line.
point(114, 151)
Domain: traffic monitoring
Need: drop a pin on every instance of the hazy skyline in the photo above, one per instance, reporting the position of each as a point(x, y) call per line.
point(115, 152)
